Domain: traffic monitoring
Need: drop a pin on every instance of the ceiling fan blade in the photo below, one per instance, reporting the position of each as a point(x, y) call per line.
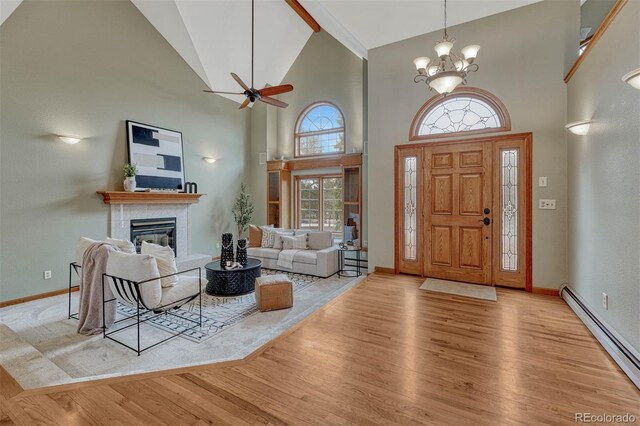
point(275, 90)
point(224, 93)
point(239, 80)
point(274, 102)
point(245, 103)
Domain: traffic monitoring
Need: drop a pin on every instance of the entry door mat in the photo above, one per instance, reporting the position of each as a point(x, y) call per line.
point(474, 291)
point(218, 312)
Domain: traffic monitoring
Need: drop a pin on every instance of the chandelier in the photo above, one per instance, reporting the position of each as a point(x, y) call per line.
point(448, 71)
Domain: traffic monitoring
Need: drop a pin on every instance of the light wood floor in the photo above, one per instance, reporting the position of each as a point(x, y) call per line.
point(384, 353)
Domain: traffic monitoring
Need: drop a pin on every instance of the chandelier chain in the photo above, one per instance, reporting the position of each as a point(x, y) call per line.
point(445, 18)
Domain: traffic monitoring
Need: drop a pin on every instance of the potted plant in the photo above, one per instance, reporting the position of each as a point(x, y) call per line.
point(130, 171)
point(242, 211)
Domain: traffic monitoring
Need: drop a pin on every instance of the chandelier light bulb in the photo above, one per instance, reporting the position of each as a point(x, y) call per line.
point(632, 78)
point(443, 48)
point(461, 64)
point(446, 82)
point(421, 64)
point(432, 70)
point(470, 52)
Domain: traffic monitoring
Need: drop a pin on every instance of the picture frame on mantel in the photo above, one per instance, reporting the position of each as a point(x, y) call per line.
point(158, 155)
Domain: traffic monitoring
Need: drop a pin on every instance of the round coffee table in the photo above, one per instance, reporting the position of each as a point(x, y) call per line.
point(233, 282)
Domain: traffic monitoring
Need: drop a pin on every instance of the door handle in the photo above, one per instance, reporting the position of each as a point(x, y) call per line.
point(487, 210)
point(486, 221)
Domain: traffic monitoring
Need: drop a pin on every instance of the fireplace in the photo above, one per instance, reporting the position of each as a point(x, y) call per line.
point(162, 231)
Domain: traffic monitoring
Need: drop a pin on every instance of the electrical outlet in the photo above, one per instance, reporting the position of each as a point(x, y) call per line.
point(605, 300)
point(542, 181)
point(46, 275)
point(547, 204)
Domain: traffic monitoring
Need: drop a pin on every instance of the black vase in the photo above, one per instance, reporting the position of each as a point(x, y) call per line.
point(241, 252)
point(226, 255)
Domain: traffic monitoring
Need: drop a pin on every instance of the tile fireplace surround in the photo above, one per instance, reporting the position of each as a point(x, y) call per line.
point(127, 206)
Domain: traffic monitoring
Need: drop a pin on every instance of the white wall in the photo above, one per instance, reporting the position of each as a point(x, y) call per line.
point(604, 177)
point(525, 54)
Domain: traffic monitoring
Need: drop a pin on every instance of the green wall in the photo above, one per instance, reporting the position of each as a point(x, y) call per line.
point(83, 68)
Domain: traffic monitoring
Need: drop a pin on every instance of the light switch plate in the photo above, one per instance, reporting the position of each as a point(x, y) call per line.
point(542, 181)
point(547, 204)
point(605, 300)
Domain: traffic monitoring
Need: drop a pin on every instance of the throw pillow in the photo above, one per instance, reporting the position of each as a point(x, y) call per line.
point(166, 260)
point(255, 236)
point(268, 236)
point(277, 242)
point(320, 240)
point(136, 268)
point(294, 243)
point(124, 245)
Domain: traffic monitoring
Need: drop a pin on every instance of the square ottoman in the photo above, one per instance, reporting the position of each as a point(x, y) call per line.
point(274, 292)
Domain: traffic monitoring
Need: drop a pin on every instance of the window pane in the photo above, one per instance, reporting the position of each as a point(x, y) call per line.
point(410, 197)
point(509, 209)
point(459, 114)
point(332, 204)
point(308, 202)
point(321, 131)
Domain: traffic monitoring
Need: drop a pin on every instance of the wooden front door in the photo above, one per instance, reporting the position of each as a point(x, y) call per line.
point(463, 210)
point(458, 212)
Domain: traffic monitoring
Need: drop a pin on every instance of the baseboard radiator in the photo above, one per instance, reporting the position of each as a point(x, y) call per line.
point(621, 351)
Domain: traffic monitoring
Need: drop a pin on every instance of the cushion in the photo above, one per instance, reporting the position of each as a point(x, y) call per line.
point(81, 246)
point(319, 240)
point(310, 257)
point(124, 245)
point(136, 267)
point(298, 242)
point(166, 260)
point(277, 242)
point(185, 287)
point(268, 236)
point(262, 252)
point(255, 236)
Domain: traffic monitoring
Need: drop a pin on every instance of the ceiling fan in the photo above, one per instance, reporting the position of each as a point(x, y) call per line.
point(252, 94)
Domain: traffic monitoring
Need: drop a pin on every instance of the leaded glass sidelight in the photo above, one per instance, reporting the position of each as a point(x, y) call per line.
point(509, 209)
point(410, 208)
point(459, 114)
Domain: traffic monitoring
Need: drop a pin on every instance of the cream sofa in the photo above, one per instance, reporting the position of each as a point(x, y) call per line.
point(321, 263)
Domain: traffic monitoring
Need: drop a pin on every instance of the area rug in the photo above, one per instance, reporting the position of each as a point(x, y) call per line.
point(39, 346)
point(475, 291)
point(218, 312)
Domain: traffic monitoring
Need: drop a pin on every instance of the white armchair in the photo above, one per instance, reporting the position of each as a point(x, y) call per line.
point(134, 280)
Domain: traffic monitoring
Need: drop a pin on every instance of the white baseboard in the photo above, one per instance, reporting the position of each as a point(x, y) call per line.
point(620, 350)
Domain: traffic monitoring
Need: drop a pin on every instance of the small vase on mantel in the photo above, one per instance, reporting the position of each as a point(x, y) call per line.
point(130, 184)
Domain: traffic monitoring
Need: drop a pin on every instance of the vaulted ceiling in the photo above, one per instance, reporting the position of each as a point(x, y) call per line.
point(214, 36)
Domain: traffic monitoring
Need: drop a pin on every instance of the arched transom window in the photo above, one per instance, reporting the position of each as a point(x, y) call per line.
point(467, 110)
point(319, 131)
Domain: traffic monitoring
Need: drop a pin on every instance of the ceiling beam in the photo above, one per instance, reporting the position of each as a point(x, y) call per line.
point(306, 16)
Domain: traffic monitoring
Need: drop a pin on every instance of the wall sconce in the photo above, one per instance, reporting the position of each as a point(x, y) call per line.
point(632, 78)
point(71, 140)
point(579, 127)
point(209, 160)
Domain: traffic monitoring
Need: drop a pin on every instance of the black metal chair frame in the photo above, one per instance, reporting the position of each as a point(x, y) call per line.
point(73, 266)
point(141, 308)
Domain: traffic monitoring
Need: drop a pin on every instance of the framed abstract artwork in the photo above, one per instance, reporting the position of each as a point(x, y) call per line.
point(158, 155)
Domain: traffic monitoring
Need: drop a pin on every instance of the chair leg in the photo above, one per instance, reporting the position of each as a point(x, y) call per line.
point(70, 267)
point(104, 321)
point(138, 315)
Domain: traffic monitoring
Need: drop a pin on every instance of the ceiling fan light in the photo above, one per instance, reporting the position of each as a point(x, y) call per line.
point(446, 82)
point(443, 48)
point(421, 64)
point(470, 52)
point(632, 78)
point(579, 128)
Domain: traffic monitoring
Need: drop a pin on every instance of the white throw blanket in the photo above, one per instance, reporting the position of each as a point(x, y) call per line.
point(94, 264)
point(285, 258)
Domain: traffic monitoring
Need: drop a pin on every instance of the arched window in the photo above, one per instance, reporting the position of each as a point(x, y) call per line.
point(319, 131)
point(467, 110)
